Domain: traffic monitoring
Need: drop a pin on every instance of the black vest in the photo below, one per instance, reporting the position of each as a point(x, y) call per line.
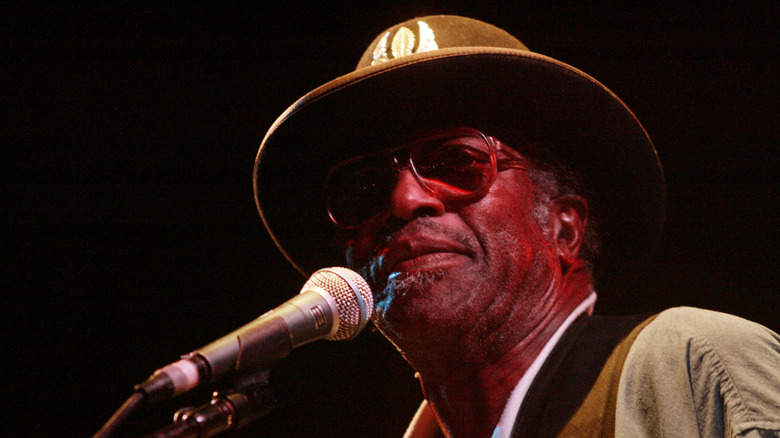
point(575, 391)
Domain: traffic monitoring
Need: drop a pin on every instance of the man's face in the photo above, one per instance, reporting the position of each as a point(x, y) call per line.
point(441, 269)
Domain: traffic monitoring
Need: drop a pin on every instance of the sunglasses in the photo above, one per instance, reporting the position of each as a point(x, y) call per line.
point(458, 165)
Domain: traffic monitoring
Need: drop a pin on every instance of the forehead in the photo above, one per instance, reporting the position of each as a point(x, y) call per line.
point(452, 136)
point(420, 139)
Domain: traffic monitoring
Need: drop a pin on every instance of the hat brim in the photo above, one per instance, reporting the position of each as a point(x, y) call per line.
point(514, 95)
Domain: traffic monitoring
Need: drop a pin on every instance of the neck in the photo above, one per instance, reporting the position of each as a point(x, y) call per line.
point(468, 387)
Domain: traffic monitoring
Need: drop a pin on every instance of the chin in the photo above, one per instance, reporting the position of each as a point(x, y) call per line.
point(413, 304)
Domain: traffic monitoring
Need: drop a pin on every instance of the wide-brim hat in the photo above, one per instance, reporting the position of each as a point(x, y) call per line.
point(444, 71)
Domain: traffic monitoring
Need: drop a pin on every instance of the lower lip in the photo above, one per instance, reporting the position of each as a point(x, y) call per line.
point(429, 262)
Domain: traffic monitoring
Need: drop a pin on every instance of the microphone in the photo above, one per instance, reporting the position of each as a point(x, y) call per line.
point(335, 304)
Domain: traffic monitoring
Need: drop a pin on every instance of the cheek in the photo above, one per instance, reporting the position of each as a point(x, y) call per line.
point(359, 247)
point(360, 254)
point(353, 253)
point(504, 223)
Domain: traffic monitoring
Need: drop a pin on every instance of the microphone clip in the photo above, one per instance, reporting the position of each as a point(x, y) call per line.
point(249, 399)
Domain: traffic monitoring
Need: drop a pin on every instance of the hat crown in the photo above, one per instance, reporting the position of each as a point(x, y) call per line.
point(425, 34)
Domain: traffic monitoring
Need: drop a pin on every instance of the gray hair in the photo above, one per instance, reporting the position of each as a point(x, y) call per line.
point(555, 180)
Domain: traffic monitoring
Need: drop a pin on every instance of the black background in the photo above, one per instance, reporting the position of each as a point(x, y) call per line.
point(130, 232)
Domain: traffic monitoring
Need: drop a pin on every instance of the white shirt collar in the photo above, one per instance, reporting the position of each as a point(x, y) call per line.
point(507, 420)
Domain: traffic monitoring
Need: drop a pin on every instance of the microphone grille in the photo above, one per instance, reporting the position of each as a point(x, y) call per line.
point(354, 300)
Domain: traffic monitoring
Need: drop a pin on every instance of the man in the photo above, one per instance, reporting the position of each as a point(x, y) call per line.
point(488, 193)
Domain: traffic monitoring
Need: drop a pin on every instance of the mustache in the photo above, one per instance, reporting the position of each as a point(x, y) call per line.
point(426, 225)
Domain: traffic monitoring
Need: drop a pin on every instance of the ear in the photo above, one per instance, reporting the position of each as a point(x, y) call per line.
point(569, 214)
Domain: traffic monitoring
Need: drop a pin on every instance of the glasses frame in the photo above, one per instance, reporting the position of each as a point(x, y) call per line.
point(401, 158)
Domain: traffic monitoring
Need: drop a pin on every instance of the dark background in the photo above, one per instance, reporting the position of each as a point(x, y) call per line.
point(130, 232)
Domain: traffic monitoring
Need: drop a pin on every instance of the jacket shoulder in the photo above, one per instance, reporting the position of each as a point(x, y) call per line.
point(701, 372)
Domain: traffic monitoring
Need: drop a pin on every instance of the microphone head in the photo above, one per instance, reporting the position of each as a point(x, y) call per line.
point(353, 297)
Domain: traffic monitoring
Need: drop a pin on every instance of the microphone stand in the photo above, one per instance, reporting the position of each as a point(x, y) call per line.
point(249, 399)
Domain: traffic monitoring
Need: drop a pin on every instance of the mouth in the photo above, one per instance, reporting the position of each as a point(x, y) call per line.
point(427, 262)
point(418, 253)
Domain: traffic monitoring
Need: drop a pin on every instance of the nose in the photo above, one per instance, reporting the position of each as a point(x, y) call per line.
point(409, 200)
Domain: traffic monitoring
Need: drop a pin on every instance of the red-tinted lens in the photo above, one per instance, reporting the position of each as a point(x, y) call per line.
point(454, 167)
